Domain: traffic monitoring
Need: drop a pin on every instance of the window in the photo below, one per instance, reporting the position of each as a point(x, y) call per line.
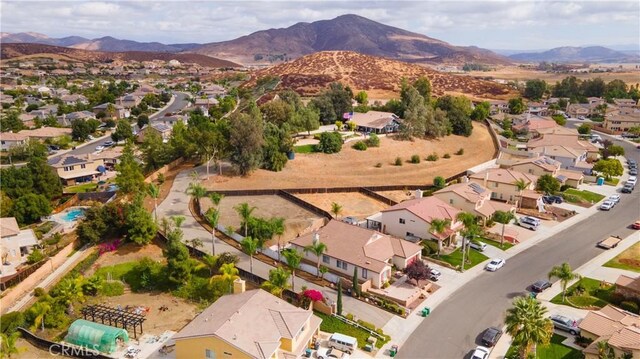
point(401, 220)
point(409, 234)
point(495, 184)
point(209, 354)
point(365, 273)
point(451, 201)
point(341, 264)
point(83, 166)
point(325, 258)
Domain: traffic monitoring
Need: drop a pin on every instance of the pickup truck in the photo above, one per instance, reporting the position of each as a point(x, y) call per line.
point(610, 242)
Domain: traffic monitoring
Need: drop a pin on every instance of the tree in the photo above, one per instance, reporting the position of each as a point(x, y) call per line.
point(330, 142)
point(293, 258)
point(123, 131)
point(584, 129)
point(336, 209)
point(245, 142)
point(322, 271)
point(559, 119)
point(615, 89)
point(516, 106)
point(155, 153)
point(504, 218)
point(228, 274)
point(80, 130)
point(39, 310)
point(68, 292)
point(458, 109)
point(547, 184)
point(470, 231)
point(439, 226)
point(528, 325)
point(130, 178)
point(362, 98)
point(141, 228)
point(610, 167)
point(354, 282)
point(307, 119)
point(615, 150)
point(11, 122)
point(45, 180)
point(142, 121)
point(317, 248)
point(423, 85)
point(521, 185)
point(8, 344)
point(605, 351)
point(244, 210)
point(212, 216)
point(417, 271)
point(565, 274)
point(439, 182)
point(339, 300)
point(197, 192)
point(481, 111)
point(30, 208)
point(179, 264)
point(154, 192)
point(277, 112)
point(250, 247)
point(535, 89)
point(278, 281)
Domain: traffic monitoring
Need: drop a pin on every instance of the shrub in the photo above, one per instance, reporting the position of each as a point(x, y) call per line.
point(360, 146)
point(39, 292)
point(378, 165)
point(112, 289)
point(160, 179)
point(432, 157)
point(415, 159)
point(429, 247)
point(349, 316)
point(630, 306)
point(11, 321)
point(373, 140)
point(564, 187)
point(446, 155)
point(616, 298)
point(460, 152)
point(35, 256)
point(55, 239)
point(367, 325)
point(330, 142)
point(398, 161)
point(439, 182)
point(339, 125)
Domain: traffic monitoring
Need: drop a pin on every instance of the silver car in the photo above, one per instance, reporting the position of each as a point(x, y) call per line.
point(561, 322)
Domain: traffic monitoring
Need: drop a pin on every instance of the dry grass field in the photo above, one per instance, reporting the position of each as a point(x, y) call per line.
point(359, 168)
point(353, 204)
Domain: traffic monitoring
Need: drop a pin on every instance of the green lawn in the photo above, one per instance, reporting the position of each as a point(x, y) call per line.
point(593, 295)
point(333, 325)
point(117, 271)
point(455, 258)
point(585, 196)
point(612, 182)
point(506, 245)
point(555, 350)
point(629, 259)
point(85, 187)
point(305, 149)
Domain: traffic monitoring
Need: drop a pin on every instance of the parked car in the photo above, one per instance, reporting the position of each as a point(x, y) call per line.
point(91, 138)
point(627, 188)
point(561, 322)
point(99, 148)
point(331, 353)
point(632, 180)
point(636, 224)
point(606, 205)
point(434, 275)
point(615, 198)
point(109, 144)
point(529, 222)
point(540, 285)
point(633, 172)
point(552, 199)
point(477, 245)
point(491, 336)
point(495, 264)
point(54, 147)
point(480, 353)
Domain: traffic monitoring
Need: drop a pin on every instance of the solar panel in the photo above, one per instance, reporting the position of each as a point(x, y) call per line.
point(476, 187)
point(561, 178)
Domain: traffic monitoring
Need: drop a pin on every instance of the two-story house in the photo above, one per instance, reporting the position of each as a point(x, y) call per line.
point(618, 328)
point(473, 198)
point(15, 244)
point(9, 140)
point(160, 128)
point(503, 184)
point(371, 253)
point(251, 324)
point(543, 165)
point(111, 110)
point(73, 169)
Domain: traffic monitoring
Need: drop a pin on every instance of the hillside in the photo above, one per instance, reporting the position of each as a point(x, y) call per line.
point(310, 74)
point(11, 51)
point(593, 54)
point(349, 33)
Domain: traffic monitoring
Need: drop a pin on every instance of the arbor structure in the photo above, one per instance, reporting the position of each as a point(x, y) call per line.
point(528, 325)
point(565, 274)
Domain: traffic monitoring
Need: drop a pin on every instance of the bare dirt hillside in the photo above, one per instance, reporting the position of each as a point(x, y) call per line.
point(312, 73)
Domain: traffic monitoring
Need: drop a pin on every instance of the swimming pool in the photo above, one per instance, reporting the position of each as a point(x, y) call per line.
point(72, 215)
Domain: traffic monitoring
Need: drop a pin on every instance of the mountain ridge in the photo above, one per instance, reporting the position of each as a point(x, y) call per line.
point(592, 54)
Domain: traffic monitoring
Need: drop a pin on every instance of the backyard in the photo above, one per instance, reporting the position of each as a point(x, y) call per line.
point(628, 260)
point(587, 293)
point(353, 204)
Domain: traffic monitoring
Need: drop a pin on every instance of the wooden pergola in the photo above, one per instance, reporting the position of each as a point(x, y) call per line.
point(114, 317)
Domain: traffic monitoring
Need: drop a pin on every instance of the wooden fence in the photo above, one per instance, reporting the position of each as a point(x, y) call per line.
point(304, 204)
point(14, 279)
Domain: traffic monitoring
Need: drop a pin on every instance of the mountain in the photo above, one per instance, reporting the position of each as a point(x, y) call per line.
point(13, 50)
point(597, 54)
point(106, 43)
point(350, 33)
point(379, 76)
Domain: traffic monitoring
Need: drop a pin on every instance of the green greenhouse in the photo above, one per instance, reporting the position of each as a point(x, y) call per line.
point(96, 336)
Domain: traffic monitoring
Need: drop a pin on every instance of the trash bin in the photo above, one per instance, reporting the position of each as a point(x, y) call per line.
point(426, 311)
point(368, 348)
point(392, 353)
point(307, 353)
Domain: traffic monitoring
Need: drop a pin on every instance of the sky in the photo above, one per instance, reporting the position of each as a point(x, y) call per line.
point(496, 24)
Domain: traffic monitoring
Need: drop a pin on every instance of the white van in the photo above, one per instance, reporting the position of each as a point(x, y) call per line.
point(343, 342)
point(529, 222)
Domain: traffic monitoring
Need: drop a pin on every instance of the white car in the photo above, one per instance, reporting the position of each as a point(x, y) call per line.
point(331, 353)
point(495, 264)
point(480, 353)
point(607, 205)
point(632, 180)
point(615, 198)
point(99, 148)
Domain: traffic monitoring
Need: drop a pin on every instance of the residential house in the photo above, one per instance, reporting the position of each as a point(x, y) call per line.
point(622, 122)
point(160, 128)
point(628, 287)
point(109, 156)
point(502, 184)
point(252, 324)
point(46, 133)
point(9, 140)
point(544, 165)
point(74, 169)
point(117, 112)
point(580, 109)
point(74, 99)
point(532, 124)
point(15, 244)
point(171, 120)
point(619, 328)
point(129, 101)
point(213, 91)
point(371, 253)
point(584, 148)
point(6, 99)
point(498, 106)
point(473, 198)
point(376, 122)
point(205, 104)
point(537, 108)
point(412, 219)
point(66, 119)
point(44, 91)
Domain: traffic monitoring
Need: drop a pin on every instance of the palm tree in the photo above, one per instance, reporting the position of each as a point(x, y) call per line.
point(250, 246)
point(528, 325)
point(216, 198)
point(278, 281)
point(196, 191)
point(323, 270)
point(504, 218)
point(212, 216)
point(318, 249)
point(439, 226)
point(278, 227)
point(469, 232)
point(565, 274)
point(521, 185)
point(177, 220)
point(8, 344)
point(244, 211)
point(210, 262)
point(154, 192)
point(293, 258)
point(228, 273)
point(605, 351)
point(70, 291)
point(336, 209)
point(39, 310)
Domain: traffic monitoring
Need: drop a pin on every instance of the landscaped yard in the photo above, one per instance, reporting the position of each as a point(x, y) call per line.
point(595, 294)
point(506, 245)
point(573, 195)
point(629, 259)
point(85, 187)
point(555, 350)
point(305, 149)
point(334, 325)
point(455, 258)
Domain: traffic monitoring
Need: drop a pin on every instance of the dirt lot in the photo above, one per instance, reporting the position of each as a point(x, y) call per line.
point(353, 203)
point(297, 219)
point(127, 253)
point(398, 196)
point(358, 168)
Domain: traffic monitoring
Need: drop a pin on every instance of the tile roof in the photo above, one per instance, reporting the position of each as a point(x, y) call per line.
point(8, 226)
point(470, 191)
point(373, 119)
point(427, 209)
point(543, 162)
point(254, 321)
point(628, 282)
point(563, 140)
point(608, 320)
point(503, 175)
point(561, 151)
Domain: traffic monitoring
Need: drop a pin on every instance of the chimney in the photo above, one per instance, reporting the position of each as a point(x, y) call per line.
point(486, 178)
point(418, 193)
point(316, 238)
point(465, 179)
point(239, 286)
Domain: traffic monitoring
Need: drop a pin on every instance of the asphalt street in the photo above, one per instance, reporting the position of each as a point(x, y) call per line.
point(454, 328)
